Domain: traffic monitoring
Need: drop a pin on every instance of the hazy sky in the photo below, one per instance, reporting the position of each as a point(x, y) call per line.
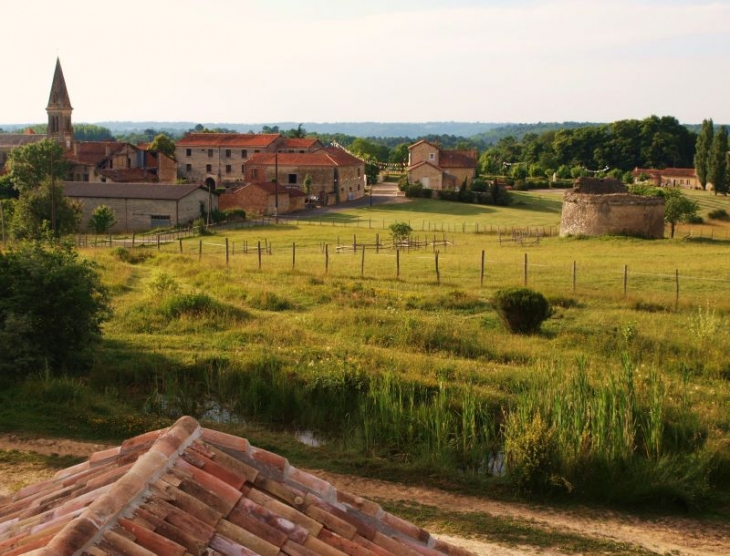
point(260, 61)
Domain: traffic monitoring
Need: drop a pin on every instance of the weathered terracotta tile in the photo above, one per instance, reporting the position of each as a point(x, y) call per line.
point(226, 440)
point(187, 503)
point(229, 462)
point(370, 545)
point(285, 511)
point(268, 458)
point(124, 545)
point(228, 475)
point(330, 521)
point(142, 441)
point(295, 532)
point(152, 541)
point(361, 504)
point(288, 494)
point(181, 519)
point(364, 529)
point(309, 481)
point(405, 527)
point(345, 545)
point(108, 476)
point(62, 473)
point(393, 545)
point(247, 520)
point(293, 549)
point(194, 545)
point(222, 490)
point(247, 539)
point(104, 455)
point(323, 549)
point(229, 547)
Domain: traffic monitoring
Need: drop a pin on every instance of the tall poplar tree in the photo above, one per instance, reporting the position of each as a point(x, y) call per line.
point(702, 151)
point(717, 165)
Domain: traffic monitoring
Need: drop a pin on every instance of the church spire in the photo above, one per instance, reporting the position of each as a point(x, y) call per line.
point(59, 110)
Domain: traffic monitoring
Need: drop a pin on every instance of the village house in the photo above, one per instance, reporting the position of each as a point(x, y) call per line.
point(110, 161)
point(336, 175)
point(263, 199)
point(437, 168)
point(142, 206)
point(669, 177)
point(218, 159)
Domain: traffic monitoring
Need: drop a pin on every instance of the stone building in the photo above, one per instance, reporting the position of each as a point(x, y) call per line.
point(596, 207)
point(668, 177)
point(142, 206)
point(437, 168)
point(337, 176)
point(263, 199)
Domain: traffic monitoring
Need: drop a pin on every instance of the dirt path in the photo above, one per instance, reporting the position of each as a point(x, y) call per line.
point(671, 535)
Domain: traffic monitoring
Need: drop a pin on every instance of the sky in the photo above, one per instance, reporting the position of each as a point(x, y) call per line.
point(260, 61)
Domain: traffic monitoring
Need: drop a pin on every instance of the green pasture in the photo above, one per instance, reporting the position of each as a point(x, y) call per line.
point(621, 398)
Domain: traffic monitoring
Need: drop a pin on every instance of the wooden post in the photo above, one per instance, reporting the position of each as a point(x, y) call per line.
point(438, 274)
point(626, 277)
point(397, 262)
point(158, 242)
point(227, 257)
point(110, 241)
point(525, 272)
point(200, 250)
point(179, 242)
point(377, 243)
point(676, 296)
point(293, 254)
point(132, 240)
point(362, 263)
point(574, 275)
point(481, 276)
point(259, 253)
point(326, 258)
point(354, 244)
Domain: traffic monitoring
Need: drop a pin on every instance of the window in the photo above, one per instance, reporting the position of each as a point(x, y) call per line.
point(188, 152)
point(208, 168)
point(228, 153)
point(292, 179)
point(86, 177)
point(188, 167)
point(160, 220)
point(111, 163)
point(243, 168)
point(210, 153)
point(432, 156)
point(228, 168)
point(255, 174)
point(256, 151)
point(358, 172)
point(244, 153)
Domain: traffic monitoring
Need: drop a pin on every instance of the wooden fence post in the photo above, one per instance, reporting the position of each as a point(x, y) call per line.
point(438, 274)
point(626, 278)
point(132, 240)
point(179, 241)
point(525, 271)
point(481, 275)
point(200, 250)
point(574, 275)
point(227, 257)
point(362, 263)
point(326, 258)
point(259, 253)
point(158, 242)
point(293, 254)
point(676, 281)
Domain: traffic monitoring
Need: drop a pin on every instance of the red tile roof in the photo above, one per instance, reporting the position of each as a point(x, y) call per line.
point(228, 140)
point(301, 143)
point(129, 175)
point(330, 156)
point(457, 159)
point(190, 490)
point(667, 172)
point(93, 152)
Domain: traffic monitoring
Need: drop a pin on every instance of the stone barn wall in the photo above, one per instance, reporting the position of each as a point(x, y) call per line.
point(590, 214)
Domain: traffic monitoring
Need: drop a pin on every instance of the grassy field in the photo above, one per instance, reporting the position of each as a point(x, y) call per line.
point(622, 398)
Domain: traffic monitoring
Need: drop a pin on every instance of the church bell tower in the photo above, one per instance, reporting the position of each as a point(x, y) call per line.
point(59, 110)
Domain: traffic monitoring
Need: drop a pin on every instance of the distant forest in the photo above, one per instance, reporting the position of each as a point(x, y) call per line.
point(534, 150)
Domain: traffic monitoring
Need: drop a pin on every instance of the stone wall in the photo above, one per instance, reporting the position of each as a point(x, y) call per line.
point(590, 214)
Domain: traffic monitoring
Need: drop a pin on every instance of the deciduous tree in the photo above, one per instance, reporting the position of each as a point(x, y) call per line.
point(163, 144)
point(30, 165)
point(717, 173)
point(677, 208)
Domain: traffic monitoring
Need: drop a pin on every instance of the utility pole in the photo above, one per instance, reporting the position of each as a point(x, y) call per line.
point(276, 186)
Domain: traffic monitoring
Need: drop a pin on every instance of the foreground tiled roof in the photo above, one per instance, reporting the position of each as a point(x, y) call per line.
point(228, 140)
point(188, 490)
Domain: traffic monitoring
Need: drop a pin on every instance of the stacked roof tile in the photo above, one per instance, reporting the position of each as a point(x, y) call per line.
point(187, 490)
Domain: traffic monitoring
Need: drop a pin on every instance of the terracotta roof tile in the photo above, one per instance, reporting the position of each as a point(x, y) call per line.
point(228, 140)
point(186, 490)
point(328, 157)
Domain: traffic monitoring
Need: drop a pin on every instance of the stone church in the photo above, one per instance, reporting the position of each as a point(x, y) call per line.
point(91, 161)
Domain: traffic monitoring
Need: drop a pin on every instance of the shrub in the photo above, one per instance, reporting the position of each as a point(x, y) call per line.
point(718, 214)
point(522, 310)
point(132, 257)
point(52, 305)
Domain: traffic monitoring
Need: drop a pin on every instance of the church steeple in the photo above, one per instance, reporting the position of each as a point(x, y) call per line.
point(59, 110)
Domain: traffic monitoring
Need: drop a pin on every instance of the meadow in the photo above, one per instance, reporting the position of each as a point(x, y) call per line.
point(622, 398)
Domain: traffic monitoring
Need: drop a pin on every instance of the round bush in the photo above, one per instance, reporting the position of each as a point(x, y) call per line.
point(522, 310)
